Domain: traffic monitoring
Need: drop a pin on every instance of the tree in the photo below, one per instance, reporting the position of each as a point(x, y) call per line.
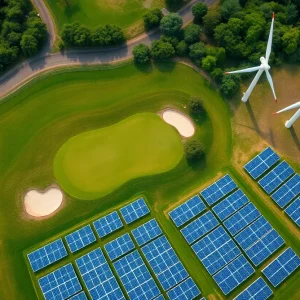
point(162, 50)
point(141, 54)
point(197, 51)
point(29, 45)
point(218, 52)
point(199, 11)
point(208, 63)
point(229, 8)
point(194, 150)
point(192, 34)
point(290, 41)
point(230, 85)
point(152, 18)
point(195, 106)
point(171, 24)
point(217, 75)
point(181, 49)
point(211, 21)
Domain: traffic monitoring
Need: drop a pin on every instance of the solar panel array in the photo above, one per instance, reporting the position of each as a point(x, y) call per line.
point(164, 262)
point(233, 274)
point(282, 267)
point(60, 284)
point(261, 163)
point(79, 296)
point(108, 224)
point(47, 255)
point(135, 277)
point(276, 177)
point(186, 211)
point(134, 210)
point(242, 218)
point(98, 277)
point(218, 190)
point(230, 205)
point(160, 297)
point(216, 250)
point(293, 211)
point(259, 240)
point(146, 232)
point(257, 290)
point(119, 246)
point(288, 191)
point(186, 290)
point(80, 238)
point(199, 227)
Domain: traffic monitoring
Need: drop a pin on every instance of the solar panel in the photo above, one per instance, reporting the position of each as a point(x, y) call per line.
point(80, 238)
point(286, 193)
point(261, 163)
point(293, 211)
point(216, 250)
point(282, 267)
point(199, 227)
point(135, 277)
point(258, 290)
point(233, 274)
point(276, 177)
point(108, 224)
point(119, 246)
point(242, 218)
point(79, 296)
point(47, 255)
point(160, 297)
point(146, 232)
point(164, 262)
point(134, 210)
point(218, 190)
point(60, 284)
point(98, 277)
point(186, 290)
point(187, 210)
point(230, 205)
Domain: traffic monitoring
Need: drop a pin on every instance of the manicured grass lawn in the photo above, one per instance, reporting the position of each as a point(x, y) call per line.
point(95, 163)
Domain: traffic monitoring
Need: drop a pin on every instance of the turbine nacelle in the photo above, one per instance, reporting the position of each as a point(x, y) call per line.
point(264, 63)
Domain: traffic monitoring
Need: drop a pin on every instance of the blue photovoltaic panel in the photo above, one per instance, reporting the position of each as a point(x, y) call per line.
point(276, 177)
point(186, 290)
point(164, 262)
point(199, 227)
point(258, 290)
point(60, 284)
point(146, 232)
point(285, 194)
point(261, 163)
point(80, 238)
point(242, 218)
point(80, 296)
point(47, 255)
point(293, 211)
point(186, 211)
point(98, 277)
point(281, 267)
point(218, 190)
point(216, 250)
point(160, 297)
point(230, 205)
point(108, 224)
point(134, 210)
point(119, 246)
point(136, 278)
point(233, 274)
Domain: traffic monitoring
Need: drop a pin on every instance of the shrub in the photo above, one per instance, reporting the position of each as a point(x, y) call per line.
point(195, 106)
point(141, 54)
point(194, 150)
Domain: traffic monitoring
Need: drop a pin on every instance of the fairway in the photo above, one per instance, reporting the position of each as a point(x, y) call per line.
point(94, 163)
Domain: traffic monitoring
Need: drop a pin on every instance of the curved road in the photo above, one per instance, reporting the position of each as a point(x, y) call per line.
point(44, 60)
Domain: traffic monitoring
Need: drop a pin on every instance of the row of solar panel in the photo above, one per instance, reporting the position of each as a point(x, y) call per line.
point(84, 236)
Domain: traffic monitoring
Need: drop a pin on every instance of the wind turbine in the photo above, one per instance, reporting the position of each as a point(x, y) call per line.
point(291, 121)
point(263, 67)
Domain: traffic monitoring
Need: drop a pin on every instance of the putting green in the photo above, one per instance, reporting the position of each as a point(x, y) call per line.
point(93, 164)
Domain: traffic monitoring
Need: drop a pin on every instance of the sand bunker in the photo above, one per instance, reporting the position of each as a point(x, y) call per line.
point(180, 121)
point(40, 204)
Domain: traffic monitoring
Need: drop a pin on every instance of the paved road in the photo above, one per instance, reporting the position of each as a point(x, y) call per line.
point(44, 60)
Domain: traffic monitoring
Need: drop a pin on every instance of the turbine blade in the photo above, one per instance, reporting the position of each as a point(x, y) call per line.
point(271, 84)
point(244, 70)
point(293, 106)
point(269, 46)
point(252, 85)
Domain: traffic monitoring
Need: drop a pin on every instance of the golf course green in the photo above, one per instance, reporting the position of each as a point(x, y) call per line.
point(93, 164)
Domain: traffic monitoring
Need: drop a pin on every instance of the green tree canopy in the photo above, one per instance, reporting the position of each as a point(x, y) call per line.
point(194, 150)
point(152, 18)
point(162, 50)
point(192, 33)
point(141, 54)
point(199, 11)
point(211, 21)
point(171, 24)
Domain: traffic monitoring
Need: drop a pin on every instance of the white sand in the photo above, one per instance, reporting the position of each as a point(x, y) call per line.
point(180, 121)
point(42, 204)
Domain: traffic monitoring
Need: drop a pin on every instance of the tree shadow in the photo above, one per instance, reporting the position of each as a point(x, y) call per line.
point(71, 9)
point(295, 137)
point(199, 118)
point(196, 165)
point(144, 68)
point(165, 66)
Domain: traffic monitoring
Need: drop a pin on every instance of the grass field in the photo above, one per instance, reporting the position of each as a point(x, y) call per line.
point(95, 163)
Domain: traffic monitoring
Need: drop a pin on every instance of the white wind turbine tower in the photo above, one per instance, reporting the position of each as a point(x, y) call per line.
point(263, 67)
point(291, 121)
